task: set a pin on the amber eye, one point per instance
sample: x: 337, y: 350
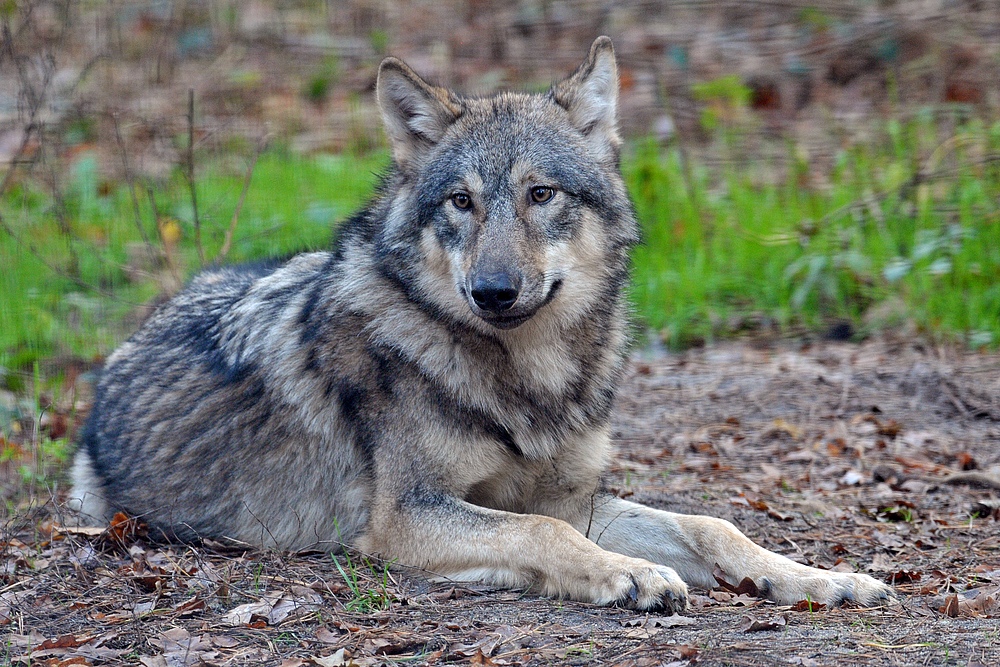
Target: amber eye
x: 462, y: 201
x: 541, y: 194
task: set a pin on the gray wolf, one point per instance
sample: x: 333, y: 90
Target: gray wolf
x: 436, y: 390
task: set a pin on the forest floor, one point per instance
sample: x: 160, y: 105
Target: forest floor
x: 881, y: 457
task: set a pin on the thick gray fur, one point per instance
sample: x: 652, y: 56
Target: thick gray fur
x: 436, y: 389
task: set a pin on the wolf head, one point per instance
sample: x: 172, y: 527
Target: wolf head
x: 508, y: 206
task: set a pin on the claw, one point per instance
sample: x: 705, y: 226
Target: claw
x: 671, y: 604
x: 633, y: 593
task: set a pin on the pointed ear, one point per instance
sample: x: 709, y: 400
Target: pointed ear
x: 416, y: 114
x: 590, y: 96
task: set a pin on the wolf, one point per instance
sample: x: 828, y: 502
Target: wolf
x: 436, y: 390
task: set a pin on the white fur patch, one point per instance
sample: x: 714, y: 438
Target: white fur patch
x: 87, y: 496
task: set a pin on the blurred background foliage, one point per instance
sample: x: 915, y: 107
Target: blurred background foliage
x: 816, y: 169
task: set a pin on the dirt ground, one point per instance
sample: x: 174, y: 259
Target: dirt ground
x: 880, y: 457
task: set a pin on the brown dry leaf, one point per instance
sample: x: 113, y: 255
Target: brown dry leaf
x: 83, y: 531
x: 807, y: 605
x: 123, y: 530
x: 245, y: 613
x: 180, y: 649
x: 78, y: 660
x: 224, y: 641
x: 745, y: 587
x: 275, y: 608
x: 481, y: 660
x: 775, y: 514
x: 299, y: 601
x: 984, y: 602
x: 881, y: 562
x: 888, y: 539
x: 950, y: 607
x: 189, y: 606
x: 293, y: 662
x: 751, y: 624
x: 327, y: 636
x: 64, y: 641
x: 338, y: 659
x: 687, y: 652
x: 902, y: 577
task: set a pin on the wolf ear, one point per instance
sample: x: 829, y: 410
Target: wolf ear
x: 590, y: 96
x: 416, y: 114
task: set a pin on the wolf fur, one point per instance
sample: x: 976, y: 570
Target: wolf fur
x: 437, y: 389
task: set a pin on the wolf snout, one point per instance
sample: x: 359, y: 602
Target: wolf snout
x: 495, y: 292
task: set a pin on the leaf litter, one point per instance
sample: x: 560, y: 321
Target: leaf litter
x: 881, y: 458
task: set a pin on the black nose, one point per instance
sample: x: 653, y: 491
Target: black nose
x: 495, y: 292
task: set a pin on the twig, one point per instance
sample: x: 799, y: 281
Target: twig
x: 191, y: 181
x: 228, y: 241
x: 130, y: 181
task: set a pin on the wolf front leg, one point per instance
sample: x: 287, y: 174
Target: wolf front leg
x: 456, y: 540
x: 694, y: 545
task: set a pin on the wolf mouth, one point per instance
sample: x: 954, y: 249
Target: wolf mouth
x: 508, y: 321
x: 513, y: 320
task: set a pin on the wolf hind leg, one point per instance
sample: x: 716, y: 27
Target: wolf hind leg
x: 695, y: 545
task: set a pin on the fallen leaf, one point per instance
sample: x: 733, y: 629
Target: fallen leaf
x: 745, y: 587
x: 299, y: 601
x: 339, y: 659
x: 243, y: 614
x: 721, y: 596
x: 327, y: 636
x: 64, y: 641
x: 751, y: 624
x: 123, y: 530
x: 902, y: 577
x: 481, y: 660
x: 180, y: 649
x: 224, y: 641
x: 950, y: 607
x: 190, y: 606
x: 980, y: 601
x: 807, y: 605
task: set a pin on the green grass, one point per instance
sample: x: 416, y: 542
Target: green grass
x: 67, y: 289
x: 726, y: 249
x: 872, y: 246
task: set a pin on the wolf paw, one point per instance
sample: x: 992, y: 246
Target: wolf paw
x: 829, y: 588
x: 650, y: 587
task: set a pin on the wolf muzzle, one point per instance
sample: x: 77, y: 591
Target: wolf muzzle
x: 496, y: 292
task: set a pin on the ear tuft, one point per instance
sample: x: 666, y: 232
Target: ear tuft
x: 416, y: 114
x: 590, y: 96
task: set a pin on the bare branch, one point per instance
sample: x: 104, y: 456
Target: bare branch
x: 130, y: 181
x: 227, y: 243
x: 191, y: 180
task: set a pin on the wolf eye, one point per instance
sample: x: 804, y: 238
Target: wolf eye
x: 541, y: 194
x: 462, y: 201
